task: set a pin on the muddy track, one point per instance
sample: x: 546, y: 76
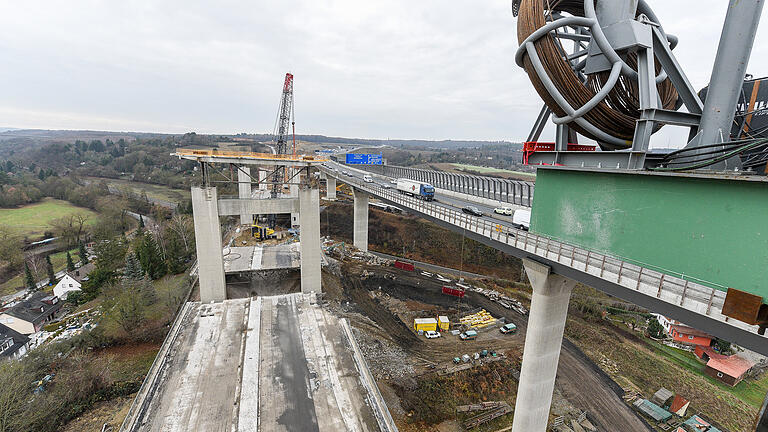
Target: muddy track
x: 579, y: 379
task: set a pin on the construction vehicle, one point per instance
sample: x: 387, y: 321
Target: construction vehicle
x: 262, y: 233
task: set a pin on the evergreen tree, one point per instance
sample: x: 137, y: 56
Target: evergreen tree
x: 141, y: 221
x: 83, y: 254
x: 133, y: 269
x: 49, y: 269
x: 150, y: 258
x: 30, y: 280
x: 70, y: 263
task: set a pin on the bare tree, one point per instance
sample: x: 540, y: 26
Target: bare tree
x: 182, y: 226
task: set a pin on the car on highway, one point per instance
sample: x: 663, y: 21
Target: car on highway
x: 367, y: 179
x: 345, y: 173
x: 507, y: 211
x: 432, y: 334
x: 472, y: 210
x: 393, y: 181
x: 386, y: 186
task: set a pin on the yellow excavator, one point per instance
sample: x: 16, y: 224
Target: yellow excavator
x: 261, y: 233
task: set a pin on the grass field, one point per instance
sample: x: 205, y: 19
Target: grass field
x: 488, y: 170
x: 59, y: 261
x: 34, y: 219
x: 158, y: 192
x: 649, y: 366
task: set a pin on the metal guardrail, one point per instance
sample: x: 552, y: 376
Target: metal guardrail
x: 703, y: 297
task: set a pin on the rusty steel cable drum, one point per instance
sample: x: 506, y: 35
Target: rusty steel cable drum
x: 617, y: 113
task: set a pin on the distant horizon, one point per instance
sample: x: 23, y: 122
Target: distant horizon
x: 4, y: 129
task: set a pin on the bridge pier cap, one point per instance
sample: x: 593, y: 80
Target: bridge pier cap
x: 543, y: 339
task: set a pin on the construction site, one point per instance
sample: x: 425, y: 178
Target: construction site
x: 343, y: 293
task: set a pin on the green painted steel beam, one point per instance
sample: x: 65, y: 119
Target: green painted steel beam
x: 709, y: 229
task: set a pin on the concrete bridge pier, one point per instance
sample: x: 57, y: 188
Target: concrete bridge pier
x: 360, y: 225
x: 210, y: 262
x: 549, y: 308
x: 244, y: 191
x: 330, y: 186
x: 311, y: 254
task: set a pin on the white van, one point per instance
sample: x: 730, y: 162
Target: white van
x: 522, y: 219
x: 367, y: 178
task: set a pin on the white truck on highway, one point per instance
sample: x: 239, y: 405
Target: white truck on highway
x: 522, y: 219
x: 417, y: 189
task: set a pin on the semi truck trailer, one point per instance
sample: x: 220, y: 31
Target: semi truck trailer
x: 417, y: 189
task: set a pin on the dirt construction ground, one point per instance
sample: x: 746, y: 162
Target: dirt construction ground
x: 381, y: 300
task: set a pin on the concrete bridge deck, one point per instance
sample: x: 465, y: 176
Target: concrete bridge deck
x: 253, y: 258
x: 277, y: 363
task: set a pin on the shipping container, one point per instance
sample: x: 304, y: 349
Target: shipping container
x: 443, y: 322
x: 404, y: 266
x: 425, y: 324
x: 458, y: 292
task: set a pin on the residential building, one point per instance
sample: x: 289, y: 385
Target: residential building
x: 689, y: 335
x: 30, y: 315
x: 72, y: 281
x: 662, y: 396
x: 13, y: 344
x: 679, y: 405
x: 652, y: 410
x: 726, y: 369
x: 698, y: 424
x: 665, y: 322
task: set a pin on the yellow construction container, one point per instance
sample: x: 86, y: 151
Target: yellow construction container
x: 425, y: 324
x: 443, y: 322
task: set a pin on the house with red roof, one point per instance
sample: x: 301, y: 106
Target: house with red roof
x: 727, y: 369
x: 679, y: 405
x: 689, y: 335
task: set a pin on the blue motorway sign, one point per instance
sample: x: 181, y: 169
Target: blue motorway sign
x: 364, y: 159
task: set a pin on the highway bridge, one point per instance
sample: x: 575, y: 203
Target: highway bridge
x: 664, y: 292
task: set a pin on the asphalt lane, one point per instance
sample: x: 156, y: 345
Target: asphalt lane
x: 445, y: 201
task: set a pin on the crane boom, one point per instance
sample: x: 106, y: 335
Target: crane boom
x: 284, y: 116
x: 286, y: 106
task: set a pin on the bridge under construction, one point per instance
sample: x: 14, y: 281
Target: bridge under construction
x: 677, y: 234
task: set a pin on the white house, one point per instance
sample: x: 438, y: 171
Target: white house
x: 72, y: 281
x: 66, y: 285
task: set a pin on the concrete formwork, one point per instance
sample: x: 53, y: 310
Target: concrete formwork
x: 244, y: 191
x: 311, y: 254
x: 262, y: 179
x: 549, y: 308
x: 360, y: 228
x: 208, y: 243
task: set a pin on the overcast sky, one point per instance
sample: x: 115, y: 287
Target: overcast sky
x: 431, y: 69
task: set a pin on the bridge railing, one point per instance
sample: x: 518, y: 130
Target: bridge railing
x: 517, y: 192
x: 701, y: 296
